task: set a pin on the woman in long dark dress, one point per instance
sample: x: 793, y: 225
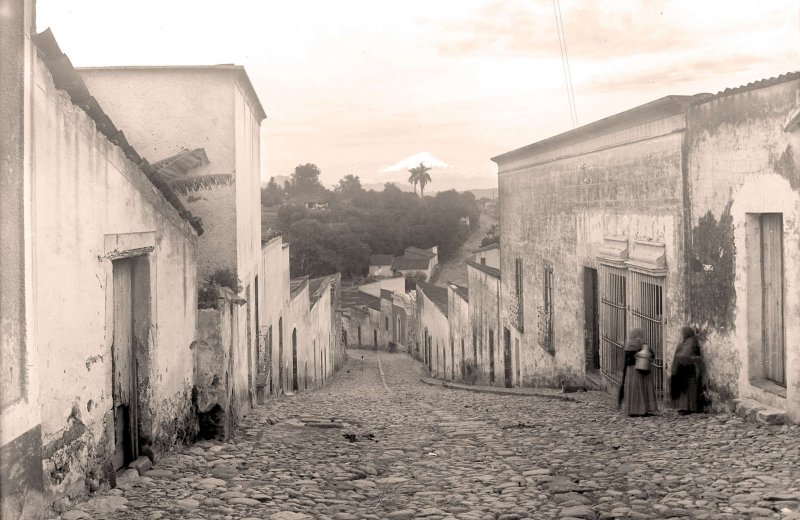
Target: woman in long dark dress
x: 686, y: 380
x: 637, y: 394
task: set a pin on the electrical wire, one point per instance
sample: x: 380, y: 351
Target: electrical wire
x: 562, y: 42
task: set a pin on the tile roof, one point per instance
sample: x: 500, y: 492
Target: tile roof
x: 381, y: 259
x: 403, y: 263
x: 491, y: 271
x: 297, y: 285
x: 316, y: 286
x: 352, y: 297
x: 66, y: 78
x: 416, y: 252
x: 438, y: 295
x: 753, y: 85
x: 463, y: 292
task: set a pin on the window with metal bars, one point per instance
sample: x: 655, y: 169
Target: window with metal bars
x: 646, y: 296
x: 545, y: 336
x: 613, y: 320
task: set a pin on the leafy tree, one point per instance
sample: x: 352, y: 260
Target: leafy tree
x: 305, y: 181
x: 349, y: 186
x: 420, y: 175
x: 272, y: 194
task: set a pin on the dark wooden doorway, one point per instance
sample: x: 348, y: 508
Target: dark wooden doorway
x: 591, y: 331
x: 295, y: 382
x: 491, y: 356
x: 131, y: 318
x: 508, y: 372
x: 772, y: 325
x: 281, y: 385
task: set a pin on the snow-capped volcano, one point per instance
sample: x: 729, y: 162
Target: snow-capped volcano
x: 410, y: 162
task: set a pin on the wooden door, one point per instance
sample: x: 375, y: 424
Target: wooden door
x: 772, y: 297
x: 491, y: 356
x: 124, y: 389
x: 591, y: 331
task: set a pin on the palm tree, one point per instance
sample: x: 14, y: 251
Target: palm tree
x: 419, y: 174
x: 424, y: 178
x: 413, y: 178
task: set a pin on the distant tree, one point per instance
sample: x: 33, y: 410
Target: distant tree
x: 305, y: 181
x: 272, y: 194
x: 420, y: 175
x: 349, y: 186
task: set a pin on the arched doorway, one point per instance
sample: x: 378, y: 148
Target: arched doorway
x: 295, y: 384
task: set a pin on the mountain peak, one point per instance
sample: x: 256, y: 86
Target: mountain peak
x: 414, y: 160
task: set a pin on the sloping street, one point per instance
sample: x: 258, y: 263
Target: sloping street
x: 378, y: 443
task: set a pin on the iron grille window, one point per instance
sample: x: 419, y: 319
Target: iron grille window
x: 646, y: 296
x: 613, y: 320
x: 546, y: 312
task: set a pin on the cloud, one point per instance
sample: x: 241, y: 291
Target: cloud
x: 599, y: 30
x: 717, y: 71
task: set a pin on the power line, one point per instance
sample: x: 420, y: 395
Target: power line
x: 562, y: 42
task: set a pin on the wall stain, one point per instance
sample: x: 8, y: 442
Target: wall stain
x: 712, y: 295
x: 786, y: 167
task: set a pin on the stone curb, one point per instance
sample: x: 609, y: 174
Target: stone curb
x: 494, y: 390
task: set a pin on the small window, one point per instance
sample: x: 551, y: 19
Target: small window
x: 483, y: 260
x: 387, y: 323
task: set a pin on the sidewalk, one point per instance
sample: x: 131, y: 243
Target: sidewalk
x: 547, y: 393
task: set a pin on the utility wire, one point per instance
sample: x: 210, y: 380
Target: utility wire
x: 562, y: 42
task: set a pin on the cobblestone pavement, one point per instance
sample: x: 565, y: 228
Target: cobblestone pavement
x: 374, y: 447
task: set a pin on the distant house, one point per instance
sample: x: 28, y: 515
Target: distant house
x: 488, y: 255
x: 464, y: 221
x: 380, y: 266
x: 416, y: 260
x: 315, y: 204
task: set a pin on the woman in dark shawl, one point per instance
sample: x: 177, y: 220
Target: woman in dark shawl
x: 686, y: 381
x: 637, y: 395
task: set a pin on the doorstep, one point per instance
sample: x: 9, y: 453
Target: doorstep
x: 754, y: 411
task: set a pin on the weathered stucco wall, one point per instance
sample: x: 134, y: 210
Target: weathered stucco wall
x: 20, y: 428
x: 274, y: 297
x: 91, y: 206
x: 433, y: 325
x: 741, y: 163
x: 490, y: 257
x: 167, y: 110
x: 397, y: 284
x: 557, y: 207
x: 484, y: 304
x: 248, y: 180
x: 460, y: 338
x: 299, y: 321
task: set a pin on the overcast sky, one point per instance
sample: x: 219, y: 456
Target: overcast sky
x: 357, y: 85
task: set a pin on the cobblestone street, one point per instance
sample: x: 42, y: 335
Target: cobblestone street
x: 379, y: 443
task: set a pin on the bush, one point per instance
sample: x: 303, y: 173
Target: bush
x: 225, y: 278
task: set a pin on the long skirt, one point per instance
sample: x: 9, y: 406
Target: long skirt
x: 690, y: 398
x: 640, y: 393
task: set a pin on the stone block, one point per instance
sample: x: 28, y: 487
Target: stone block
x: 141, y: 465
x: 771, y: 416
